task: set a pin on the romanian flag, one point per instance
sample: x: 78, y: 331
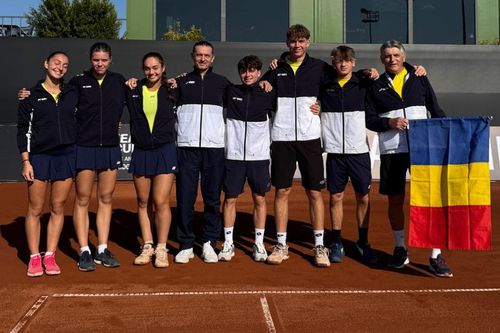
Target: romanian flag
x: 450, y: 204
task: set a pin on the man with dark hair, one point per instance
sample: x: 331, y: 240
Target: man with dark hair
x: 247, y: 153
x: 200, y: 140
x: 395, y: 98
x: 296, y: 135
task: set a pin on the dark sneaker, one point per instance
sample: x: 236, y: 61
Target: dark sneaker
x: 106, y: 259
x: 399, y: 258
x: 85, y: 262
x: 337, y: 252
x: 366, y: 253
x: 439, y: 267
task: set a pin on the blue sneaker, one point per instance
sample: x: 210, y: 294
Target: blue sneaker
x: 106, y: 259
x: 366, y: 253
x: 85, y: 262
x: 399, y: 258
x: 336, y: 252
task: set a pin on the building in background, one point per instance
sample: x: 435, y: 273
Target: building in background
x: 330, y: 21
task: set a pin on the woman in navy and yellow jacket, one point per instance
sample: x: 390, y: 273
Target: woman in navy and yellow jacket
x: 154, y: 160
x: 46, y: 140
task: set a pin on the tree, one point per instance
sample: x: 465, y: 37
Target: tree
x: 79, y: 19
x: 194, y: 33
x: 51, y: 18
x: 94, y: 19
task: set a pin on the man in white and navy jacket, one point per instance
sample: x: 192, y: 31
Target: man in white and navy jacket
x: 200, y: 141
x: 395, y: 98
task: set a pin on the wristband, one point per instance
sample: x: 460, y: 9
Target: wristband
x: 26, y: 160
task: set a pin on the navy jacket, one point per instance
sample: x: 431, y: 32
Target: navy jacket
x: 100, y: 108
x: 418, y: 102
x: 247, y: 123
x: 343, y: 115
x: 164, y: 122
x: 200, y: 110
x: 43, y: 124
x: 293, y: 120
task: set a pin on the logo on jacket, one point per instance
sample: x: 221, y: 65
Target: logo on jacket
x: 41, y: 99
x: 190, y: 82
x: 86, y: 87
x: 282, y: 74
x: 237, y: 99
x: 135, y: 96
x: 383, y: 89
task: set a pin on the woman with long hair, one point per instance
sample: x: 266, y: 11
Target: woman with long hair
x: 46, y: 140
x: 154, y: 160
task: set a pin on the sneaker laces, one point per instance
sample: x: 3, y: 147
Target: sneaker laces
x: 279, y: 248
x: 260, y: 248
x: 320, y: 250
x: 161, y: 253
x: 35, y: 261
x: 226, y: 247
x: 49, y: 260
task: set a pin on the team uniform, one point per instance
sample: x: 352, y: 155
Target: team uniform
x: 417, y: 101
x: 247, y: 139
x: 344, y: 135
x: 411, y: 97
x: 200, y: 142
x: 47, y: 130
x: 152, y: 127
x: 100, y: 108
x: 296, y: 131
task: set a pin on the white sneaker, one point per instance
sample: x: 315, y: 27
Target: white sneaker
x: 209, y: 256
x: 227, y: 252
x: 183, y: 256
x: 259, y: 252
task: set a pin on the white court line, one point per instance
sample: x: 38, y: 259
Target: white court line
x: 29, y: 314
x: 267, y: 315
x: 283, y: 292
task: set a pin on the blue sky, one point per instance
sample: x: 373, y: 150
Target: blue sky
x: 21, y: 7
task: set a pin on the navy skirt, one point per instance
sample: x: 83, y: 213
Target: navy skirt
x: 56, y: 164
x: 154, y: 162
x: 98, y: 158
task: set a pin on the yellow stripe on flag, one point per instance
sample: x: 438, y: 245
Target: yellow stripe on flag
x: 450, y: 185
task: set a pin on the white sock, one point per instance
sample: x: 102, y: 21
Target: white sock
x: 84, y: 248
x: 228, y: 234
x: 399, y: 237
x: 161, y: 246
x: 34, y: 255
x: 281, y: 236
x: 101, y: 248
x: 318, y: 237
x: 49, y: 253
x: 259, y: 235
x: 435, y: 253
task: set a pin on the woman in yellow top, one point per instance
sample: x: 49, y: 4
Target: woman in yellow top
x: 154, y: 160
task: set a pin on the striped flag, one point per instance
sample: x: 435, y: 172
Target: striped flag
x: 450, y: 204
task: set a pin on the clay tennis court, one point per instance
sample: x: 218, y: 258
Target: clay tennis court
x: 242, y: 295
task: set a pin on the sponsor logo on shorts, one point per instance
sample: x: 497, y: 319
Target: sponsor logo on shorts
x: 322, y: 182
x: 174, y: 168
x: 117, y: 162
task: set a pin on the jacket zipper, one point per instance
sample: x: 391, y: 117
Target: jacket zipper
x: 246, y: 126
x: 201, y: 110
x: 295, y: 97
x: 343, y: 119
x: 101, y: 110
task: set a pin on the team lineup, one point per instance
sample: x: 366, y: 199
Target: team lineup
x: 199, y: 128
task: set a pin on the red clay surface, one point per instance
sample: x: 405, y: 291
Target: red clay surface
x: 235, y: 296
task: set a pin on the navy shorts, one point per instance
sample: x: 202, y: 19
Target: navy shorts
x: 98, y: 158
x: 56, y: 164
x: 342, y: 167
x: 393, y: 169
x: 308, y: 154
x: 154, y: 162
x: 257, y: 173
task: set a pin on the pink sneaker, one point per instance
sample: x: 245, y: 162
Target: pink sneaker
x: 35, y: 266
x: 51, y: 267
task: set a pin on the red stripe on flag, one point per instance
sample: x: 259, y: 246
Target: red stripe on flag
x: 453, y: 228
